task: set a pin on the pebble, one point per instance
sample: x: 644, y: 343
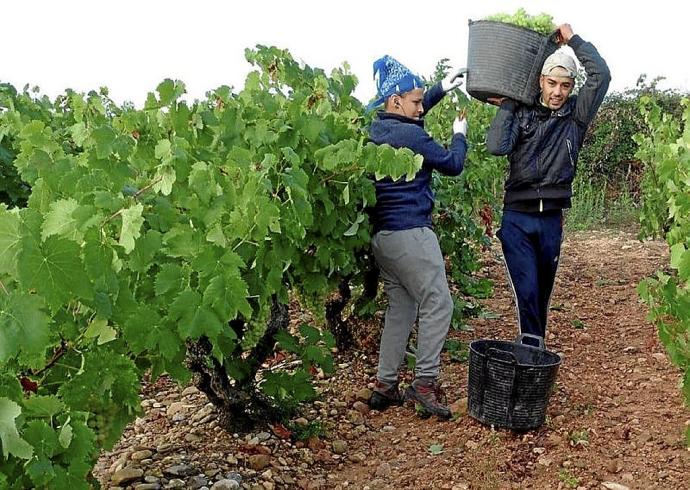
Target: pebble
x: 258, y: 462
x: 175, y: 483
x: 234, y: 476
x: 544, y: 461
x: 355, y: 417
x: 147, y: 486
x: 203, y: 413
x: 165, y: 448
x: 613, y: 466
x: 126, y: 475
x: 190, y: 390
x: 361, y: 407
x: 614, y: 486
x: 339, y: 447
x: 360, y: 430
x: 175, y: 408
x: 196, y: 482
x: 383, y: 470
x: 192, y: 438
x: 139, y: 455
x: 459, y: 407
x: 358, y: 458
x: 263, y: 436
x: 363, y: 394
x: 179, y: 470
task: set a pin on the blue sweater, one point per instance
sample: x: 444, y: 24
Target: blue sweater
x: 402, y: 205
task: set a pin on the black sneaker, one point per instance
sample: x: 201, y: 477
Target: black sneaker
x: 385, y: 395
x: 429, y: 398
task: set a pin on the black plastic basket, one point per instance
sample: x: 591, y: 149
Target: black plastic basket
x: 505, y: 60
x: 510, y: 382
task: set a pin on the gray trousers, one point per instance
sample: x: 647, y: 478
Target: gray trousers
x: 414, y: 278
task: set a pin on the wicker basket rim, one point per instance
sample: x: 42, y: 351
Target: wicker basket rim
x: 498, y: 22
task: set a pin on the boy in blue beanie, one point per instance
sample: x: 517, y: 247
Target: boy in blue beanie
x: 404, y: 245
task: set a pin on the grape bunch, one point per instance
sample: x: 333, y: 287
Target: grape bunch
x: 542, y: 23
x: 101, y: 422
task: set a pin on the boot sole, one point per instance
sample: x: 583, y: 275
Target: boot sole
x: 422, y: 411
x: 381, y: 402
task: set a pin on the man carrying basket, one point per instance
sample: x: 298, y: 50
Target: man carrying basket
x: 542, y: 141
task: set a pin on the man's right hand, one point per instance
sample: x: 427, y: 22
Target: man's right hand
x: 496, y: 100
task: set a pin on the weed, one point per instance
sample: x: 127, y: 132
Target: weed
x: 304, y: 432
x: 568, y: 478
x: 579, y: 437
x: 578, y: 324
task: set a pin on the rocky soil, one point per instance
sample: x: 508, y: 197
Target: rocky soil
x: 615, y: 420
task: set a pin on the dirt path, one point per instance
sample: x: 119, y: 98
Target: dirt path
x: 615, y: 417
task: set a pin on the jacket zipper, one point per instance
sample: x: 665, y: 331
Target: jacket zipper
x: 570, y: 151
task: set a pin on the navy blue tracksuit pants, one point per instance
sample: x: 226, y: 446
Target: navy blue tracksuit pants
x: 531, y: 245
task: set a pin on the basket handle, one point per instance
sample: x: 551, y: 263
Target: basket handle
x: 554, y: 36
x: 500, y: 355
x: 540, y: 340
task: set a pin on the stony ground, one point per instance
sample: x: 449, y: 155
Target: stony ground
x: 615, y: 420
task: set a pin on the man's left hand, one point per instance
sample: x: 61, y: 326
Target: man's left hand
x: 454, y: 80
x: 565, y: 32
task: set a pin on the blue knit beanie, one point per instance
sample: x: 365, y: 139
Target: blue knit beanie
x: 392, y: 77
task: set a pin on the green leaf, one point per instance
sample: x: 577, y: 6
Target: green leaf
x: 163, y: 151
x: 227, y: 295
x: 100, y: 328
x: 171, y: 277
x: 104, y: 137
x: 165, y: 178
x: 352, y: 230
x: 12, y: 443
x: 65, y: 436
x: 10, y: 241
x: 169, y: 90
x: 131, y: 226
x: 55, y: 270
x: 436, y: 449
x: 183, y: 241
x: 139, y: 327
x: 59, y: 220
x: 216, y: 236
x: 42, y: 437
x: 41, y: 471
x: 141, y: 258
x: 24, y: 328
x: 677, y: 252
x: 79, y: 133
x: 39, y: 406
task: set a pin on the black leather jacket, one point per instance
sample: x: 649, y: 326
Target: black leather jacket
x: 543, y: 145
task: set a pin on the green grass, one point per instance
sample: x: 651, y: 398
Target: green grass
x: 597, y: 205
